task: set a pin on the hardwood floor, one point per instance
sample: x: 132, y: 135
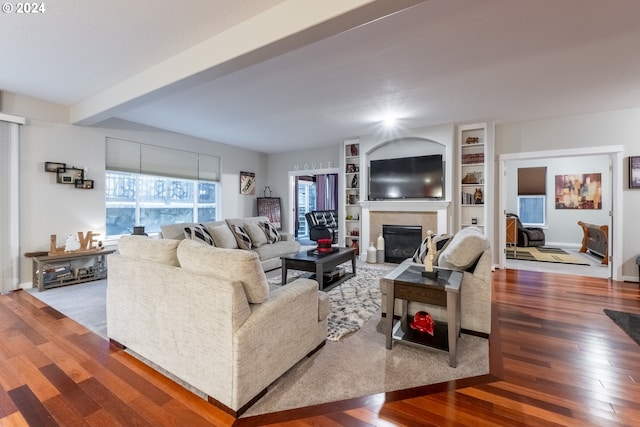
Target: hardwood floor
x: 556, y: 360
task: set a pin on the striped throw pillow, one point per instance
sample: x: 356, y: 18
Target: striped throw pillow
x: 198, y: 232
x: 243, y: 239
x: 271, y: 232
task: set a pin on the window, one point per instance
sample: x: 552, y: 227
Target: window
x: 150, y: 200
x: 148, y: 186
x: 532, y: 209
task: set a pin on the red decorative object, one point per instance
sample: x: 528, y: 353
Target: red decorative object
x: 423, y: 322
x: 356, y: 246
x: 324, y: 245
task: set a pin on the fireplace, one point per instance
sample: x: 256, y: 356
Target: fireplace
x: 400, y: 241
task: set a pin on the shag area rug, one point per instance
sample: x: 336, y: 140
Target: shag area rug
x: 545, y: 254
x: 628, y: 322
x: 354, y: 301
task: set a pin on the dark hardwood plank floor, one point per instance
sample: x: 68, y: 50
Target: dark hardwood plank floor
x: 556, y: 360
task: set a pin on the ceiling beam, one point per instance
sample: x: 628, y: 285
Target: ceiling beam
x: 290, y: 25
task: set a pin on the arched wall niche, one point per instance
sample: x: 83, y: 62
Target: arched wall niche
x: 406, y: 147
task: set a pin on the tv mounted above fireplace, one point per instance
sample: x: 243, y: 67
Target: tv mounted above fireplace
x: 419, y: 177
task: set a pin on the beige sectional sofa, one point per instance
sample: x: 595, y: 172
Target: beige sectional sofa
x: 207, y: 316
x: 467, y: 250
x: 224, y: 237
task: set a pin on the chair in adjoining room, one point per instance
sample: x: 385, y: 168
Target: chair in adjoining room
x: 323, y: 225
x: 528, y: 236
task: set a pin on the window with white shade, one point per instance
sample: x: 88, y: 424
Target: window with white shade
x: 150, y: 186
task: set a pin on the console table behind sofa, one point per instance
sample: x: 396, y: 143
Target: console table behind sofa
x: 596, y: 239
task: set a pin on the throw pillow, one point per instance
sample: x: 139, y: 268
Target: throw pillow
x: 223, y: 236
x: 198, y: 233
x: 465, y: 248
x: 439, y: 243
x: 256, y: 234
x: 243, y: 239
x: 271, y: 232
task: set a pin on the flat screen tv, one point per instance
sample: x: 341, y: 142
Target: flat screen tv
x: 407, y: 178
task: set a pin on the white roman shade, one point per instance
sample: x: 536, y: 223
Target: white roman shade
x: 134, y: 157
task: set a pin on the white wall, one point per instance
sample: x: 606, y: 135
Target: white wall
x: 312, y: 161
x: 48, y: 208
x: 577, y: 132
x: 563, y: 228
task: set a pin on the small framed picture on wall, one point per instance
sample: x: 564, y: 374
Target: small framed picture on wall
x: 634, y: 171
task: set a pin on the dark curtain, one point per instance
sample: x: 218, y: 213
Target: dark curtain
x: 327, y: 192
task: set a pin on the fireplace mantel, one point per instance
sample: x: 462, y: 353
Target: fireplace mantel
x: 439, y: 207
x: 404, y: 205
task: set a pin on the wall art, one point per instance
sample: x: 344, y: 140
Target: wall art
x: 579, y: 191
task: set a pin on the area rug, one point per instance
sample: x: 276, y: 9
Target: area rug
x: 545, y: 254
x: 354, y: 301
x: 628, y: 322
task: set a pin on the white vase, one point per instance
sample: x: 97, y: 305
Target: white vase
x: 380, y: 247
x: 371, y: 254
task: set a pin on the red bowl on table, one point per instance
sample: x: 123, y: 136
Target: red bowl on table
x: 324, y: 245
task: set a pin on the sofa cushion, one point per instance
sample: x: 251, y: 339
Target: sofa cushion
x: 256, y: 234
x: 270, y: 231
x: 227, y: 264
x: 162, y: 251
x: 222, y: 236
x: 464, y: 249
x: 198, y: 233
x: 242, y: 238
x: 439, y: 243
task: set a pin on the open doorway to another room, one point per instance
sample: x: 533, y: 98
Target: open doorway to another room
x: 568, y: 175
x: 313, y: 192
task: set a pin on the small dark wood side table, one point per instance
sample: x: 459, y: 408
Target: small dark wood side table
x: 408, y: 284
x: 320, y: 264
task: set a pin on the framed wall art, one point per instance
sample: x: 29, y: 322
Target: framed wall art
x: 579, y: 191
x: 247, y: 183
x: 270, y: 207
x: 634, y: 171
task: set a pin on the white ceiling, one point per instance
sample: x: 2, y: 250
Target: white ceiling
x: 276, y: 75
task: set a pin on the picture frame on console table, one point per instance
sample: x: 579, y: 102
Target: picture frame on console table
x: 270, y: 207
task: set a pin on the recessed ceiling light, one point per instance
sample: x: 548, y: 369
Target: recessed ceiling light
x: 390, y: 121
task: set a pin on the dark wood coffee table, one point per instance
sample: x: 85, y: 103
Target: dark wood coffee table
x: 320, y: 264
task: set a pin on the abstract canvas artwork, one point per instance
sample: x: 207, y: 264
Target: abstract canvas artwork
x: 579, y: 191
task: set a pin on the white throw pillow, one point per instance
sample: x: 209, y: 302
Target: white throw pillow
x: 222, y: 236
x: 464, y: 249
x: 256, y: 234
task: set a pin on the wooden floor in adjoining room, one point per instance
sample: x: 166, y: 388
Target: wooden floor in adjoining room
x: 556, y: 360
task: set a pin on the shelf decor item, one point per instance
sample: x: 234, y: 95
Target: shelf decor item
x: 371, y: 254
x: 380, y: 249
x: 69, y: 175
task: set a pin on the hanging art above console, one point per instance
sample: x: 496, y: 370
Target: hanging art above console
x: 69, y: 175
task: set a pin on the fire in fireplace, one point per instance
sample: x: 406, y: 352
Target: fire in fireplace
x: 400, y: 241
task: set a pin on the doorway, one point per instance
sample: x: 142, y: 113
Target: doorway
x: 562, y: 228
x: 311, y: 190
